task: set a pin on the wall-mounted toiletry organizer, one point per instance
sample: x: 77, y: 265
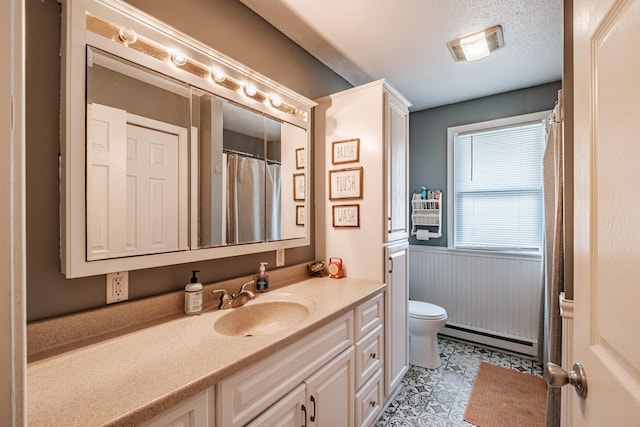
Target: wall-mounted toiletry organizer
x: 426, y: 215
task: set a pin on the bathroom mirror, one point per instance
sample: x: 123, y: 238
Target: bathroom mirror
x: 136, y: 166
x: 166, y: 161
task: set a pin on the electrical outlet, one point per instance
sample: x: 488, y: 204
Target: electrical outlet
x: 117, y: 287
x: 279, y: 257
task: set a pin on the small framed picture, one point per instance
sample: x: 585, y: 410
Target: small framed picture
x: 301, y: 158
x: 346, y: 216
x: 346, y: 151
x: 298, y: 186
x: 345, y: 184
x: 300, y: 215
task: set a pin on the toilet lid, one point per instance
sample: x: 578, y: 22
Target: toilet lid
x: 425, y: 310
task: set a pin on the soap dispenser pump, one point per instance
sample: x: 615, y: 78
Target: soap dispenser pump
x: 193, y: 295
x: 262, y: 279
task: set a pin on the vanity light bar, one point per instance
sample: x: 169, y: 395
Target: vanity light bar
x: 128, y: 37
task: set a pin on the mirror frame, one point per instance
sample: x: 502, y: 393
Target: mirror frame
x: 295, y: 110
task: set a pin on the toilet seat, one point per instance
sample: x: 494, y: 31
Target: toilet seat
x: 426, y: 311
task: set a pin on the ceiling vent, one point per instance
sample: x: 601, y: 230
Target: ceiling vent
x: 477, y: 45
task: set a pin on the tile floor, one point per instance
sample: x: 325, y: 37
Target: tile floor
x: 438, y: 397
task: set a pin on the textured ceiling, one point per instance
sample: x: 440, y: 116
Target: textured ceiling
x: 404, y: 41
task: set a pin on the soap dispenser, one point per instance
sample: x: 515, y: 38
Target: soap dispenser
x: 193, y: 295
x: 262, y: 279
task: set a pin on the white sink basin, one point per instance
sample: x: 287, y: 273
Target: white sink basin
x: 264, y: 316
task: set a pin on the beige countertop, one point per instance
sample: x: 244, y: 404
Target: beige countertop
x: 132, y: 377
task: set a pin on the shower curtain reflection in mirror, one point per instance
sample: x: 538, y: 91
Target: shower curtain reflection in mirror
x: 250, y: 200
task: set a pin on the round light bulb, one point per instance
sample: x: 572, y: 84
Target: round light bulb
x: 250, y: 90
x: 128, y: 36
x: 219, y: 75
x: 276, y: 101
x: 178, y: 59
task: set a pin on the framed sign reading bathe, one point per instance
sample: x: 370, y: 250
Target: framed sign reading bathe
x: 345, y: 184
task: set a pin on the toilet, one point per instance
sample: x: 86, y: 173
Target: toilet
x: 425, y: 321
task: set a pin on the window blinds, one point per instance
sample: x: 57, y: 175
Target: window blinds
x: 498, y: 188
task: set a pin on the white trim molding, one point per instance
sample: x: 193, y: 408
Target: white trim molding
x: 12, y: 217
x: 566, y: 405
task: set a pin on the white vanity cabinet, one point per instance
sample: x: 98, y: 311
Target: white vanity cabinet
x: 374, y: 246
x: 197, y: 411
x: 322, y: 362
x: 369, y: 353
x: 327, y: 379
x: 324, y: 399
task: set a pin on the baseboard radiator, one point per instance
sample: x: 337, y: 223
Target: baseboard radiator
x: 490, y: 299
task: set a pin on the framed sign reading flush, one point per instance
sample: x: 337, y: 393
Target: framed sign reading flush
x: 345, y: 184
x: 346, y: 216
x: 298, y: 186
x: 346, y: 151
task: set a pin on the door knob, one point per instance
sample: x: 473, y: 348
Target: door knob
x: 557, y: 377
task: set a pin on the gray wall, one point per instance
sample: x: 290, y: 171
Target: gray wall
x: 225, y: 25
x: 428, y: 135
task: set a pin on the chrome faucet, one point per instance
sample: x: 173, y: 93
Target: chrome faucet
x: 243, y: 296
x: 225, y: 299
x: 235, y: 300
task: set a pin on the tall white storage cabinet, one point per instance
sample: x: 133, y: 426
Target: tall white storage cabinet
x: 374, y: 246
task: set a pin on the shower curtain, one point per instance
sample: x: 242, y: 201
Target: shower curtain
x: 253, y: 206
x: 274, y: 231
x: 553, y: 253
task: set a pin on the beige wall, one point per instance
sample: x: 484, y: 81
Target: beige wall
x: 225, y: 25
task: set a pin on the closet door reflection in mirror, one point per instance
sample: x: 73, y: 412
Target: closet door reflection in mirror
x: 294, y: 174
x: 136, y: 165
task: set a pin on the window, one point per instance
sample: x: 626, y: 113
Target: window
x: 495, y: 184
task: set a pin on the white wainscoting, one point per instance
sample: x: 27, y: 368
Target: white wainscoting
x: 490, y: 298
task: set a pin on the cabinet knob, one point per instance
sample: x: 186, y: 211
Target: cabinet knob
x: 372, y: 403
x: 372, y: 355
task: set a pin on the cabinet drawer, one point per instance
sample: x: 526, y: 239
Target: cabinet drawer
x: 369, y: 355
x: 369, y: 400
x: 246, y: 394
x: 369, y: 315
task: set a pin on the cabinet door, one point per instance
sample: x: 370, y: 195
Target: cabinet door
x: 330, y: 393
x: 194, y: 412
x: 397, y: 321
x: 287, y: 412
x: 369, y: 355
x: 396, y: 168
x: 369, y: 400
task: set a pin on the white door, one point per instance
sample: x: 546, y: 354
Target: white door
x: 397, y: 167
x: 397, y: 315
x: 607, y: 210
x: 136, y: 184
x: 106, y: 181
x: 152, y: 190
